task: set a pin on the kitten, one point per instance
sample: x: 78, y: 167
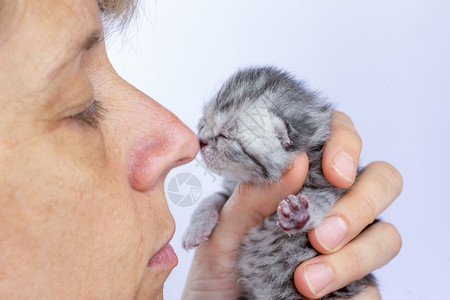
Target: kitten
x: 251, y: 131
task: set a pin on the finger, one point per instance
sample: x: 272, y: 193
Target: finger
x: 373, y: 248
x: 250, y: 204
x: 375, y: 189
x: 341, y: 152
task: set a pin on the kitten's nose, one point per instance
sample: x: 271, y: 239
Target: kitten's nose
x: 203, y: 143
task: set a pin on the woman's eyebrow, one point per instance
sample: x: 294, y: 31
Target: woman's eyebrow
x: 93, y: 39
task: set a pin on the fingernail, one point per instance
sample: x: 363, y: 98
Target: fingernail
x: 344, y: 166
x: 318, y: 277
x: 331, y: 232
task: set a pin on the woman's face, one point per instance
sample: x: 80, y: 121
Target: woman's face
x: 83, y: 157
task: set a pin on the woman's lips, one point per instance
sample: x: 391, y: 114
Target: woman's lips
x: 165, y: 258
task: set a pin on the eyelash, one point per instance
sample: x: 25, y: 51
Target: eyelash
x: 91, y: 115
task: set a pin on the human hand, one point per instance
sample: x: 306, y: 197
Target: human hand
x: 350, y: 252
x: 213, y: 273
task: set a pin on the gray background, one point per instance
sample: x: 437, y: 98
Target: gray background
x: 385, y: 63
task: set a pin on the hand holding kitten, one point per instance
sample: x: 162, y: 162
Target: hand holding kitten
x: 212, y: 274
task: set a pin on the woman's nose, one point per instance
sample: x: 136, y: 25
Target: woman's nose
x: 161, y: 142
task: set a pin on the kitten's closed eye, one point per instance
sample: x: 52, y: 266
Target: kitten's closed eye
x: 205, y: 141
x: 223, y: 135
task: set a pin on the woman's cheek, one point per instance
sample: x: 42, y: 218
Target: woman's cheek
x: 79, y: 141
x: 93, y: 223
x: 66, y: 215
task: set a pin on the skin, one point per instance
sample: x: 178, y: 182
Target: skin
x: 80, y: 204
x: 83, y: 207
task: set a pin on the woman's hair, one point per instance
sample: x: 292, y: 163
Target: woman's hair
x: 117, y: 13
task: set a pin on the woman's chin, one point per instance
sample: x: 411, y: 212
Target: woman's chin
x: 151, y: 287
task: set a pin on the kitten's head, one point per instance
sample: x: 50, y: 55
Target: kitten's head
x: 248, y: 144
x: 259, y: 120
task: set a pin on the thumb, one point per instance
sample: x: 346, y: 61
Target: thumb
x: 251, y: 203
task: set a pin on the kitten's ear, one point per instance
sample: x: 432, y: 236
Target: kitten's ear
x: 282, y: 133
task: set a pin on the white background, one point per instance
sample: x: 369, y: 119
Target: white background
x: 385, y: 63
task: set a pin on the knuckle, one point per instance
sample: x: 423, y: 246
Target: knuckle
x: 367, y: 207
x: 340, y: 117
x: 355, y: 256
x: 357, y: 140
x: 395, y: 178
x: 240, y: 191
x: 391, y: 176
x: 349, y: 135
x: 392, y: 238
x: 343, y: 124
x: 385, y: 243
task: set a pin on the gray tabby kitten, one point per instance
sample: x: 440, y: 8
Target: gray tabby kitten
x: 251, y: 131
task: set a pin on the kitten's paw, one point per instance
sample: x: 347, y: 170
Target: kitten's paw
x: 293, y: 213
x: 199, y: 231
x: 192, y: 239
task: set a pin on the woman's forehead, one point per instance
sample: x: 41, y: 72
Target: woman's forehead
x: 44, y: 36
x: 49, y: 15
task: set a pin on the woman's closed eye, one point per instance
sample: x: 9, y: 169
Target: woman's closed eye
x: 91, y: 115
